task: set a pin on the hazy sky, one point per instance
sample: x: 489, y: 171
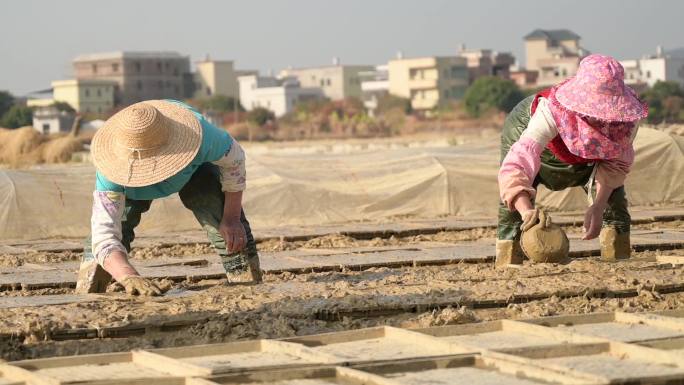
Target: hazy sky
x: 39, y: 38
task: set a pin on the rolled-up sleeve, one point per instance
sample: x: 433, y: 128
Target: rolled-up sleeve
x: 233, y: 170
x: 612, y: 173
x: 108, y: 207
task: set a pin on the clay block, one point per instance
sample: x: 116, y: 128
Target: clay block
x: 614, y: 246
x: 508, y: 253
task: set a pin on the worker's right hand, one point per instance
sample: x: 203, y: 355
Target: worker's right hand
x: 534, y: 216
x: 137, y: 285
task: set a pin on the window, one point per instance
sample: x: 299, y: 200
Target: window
x: 99, y: 93
x: 166, y: 65
x: 446, y: 94
x: 115, y: 67
x: 208, y: 90
x: 139, y: 85
x: 46, y: 128
x: 138, y: 66
x: 327, y: 81
x: 446, y: 73
x: 86, y: 92
x: 159, y: 66
x: 322, y: 82
x: 94, y: 68
x: 648, y: 74
x: 565, y: 72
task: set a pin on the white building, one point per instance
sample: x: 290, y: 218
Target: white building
x: 278, y: 95
x: 49, y: 120
x: 337, y: 81
x: 653, y: 68
x: 374, y: 85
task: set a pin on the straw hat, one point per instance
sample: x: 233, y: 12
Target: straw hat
x: 146, y: 143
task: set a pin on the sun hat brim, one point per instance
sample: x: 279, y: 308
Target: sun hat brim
x: 624, y: 107
x: 127, y: 169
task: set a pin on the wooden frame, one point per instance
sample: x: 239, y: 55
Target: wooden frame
x: 627, y: 327
x: 191, y: 356
x: 559, y: 358
x: 426, y: 345
x: 66, y: 370
x: 466, y: 335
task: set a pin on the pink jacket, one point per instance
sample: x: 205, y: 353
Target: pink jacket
x: 521, y: 164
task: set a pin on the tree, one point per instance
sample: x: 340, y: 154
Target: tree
x: 63, y: 106
x: 6, y: 101
x: 219, y: 103
x: 260, y: 116
x: 491, y: 92
x: 17, y: 116
x: 664, y: 101
x: 390, y: 102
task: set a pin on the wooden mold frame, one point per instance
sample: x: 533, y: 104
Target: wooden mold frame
x: 617, y: 326
x: 602, y: 362
x: 240, y: 357
x: 502, y: 336
x: 379, y: 344
x: 128, y: 368
x: 389, y: 373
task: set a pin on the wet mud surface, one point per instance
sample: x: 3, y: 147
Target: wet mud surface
x: 288, y: 305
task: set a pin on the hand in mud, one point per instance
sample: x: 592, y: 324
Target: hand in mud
x: 534, y: 216
x: 137, y: 285
x: 593, y: 219
x: 233, y: 233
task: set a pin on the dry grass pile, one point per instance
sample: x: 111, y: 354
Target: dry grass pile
x: 25, y: 146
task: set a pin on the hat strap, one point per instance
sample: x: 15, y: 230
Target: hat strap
x: 132, y: 160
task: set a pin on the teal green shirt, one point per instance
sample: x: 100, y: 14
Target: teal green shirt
x: 215, y: 144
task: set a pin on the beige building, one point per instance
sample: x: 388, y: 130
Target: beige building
x: 336, y: 81
x: 138, y: 75
x: 555, y: 54
x: 218, y: 77
x: 428, y: 81
x: 85, y: 96
x: 485, y: 62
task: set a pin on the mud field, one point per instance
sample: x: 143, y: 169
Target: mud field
x: 287, y: 304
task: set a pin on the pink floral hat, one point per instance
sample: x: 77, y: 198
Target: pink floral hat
x: 595, y: 111
x: 598, y: 90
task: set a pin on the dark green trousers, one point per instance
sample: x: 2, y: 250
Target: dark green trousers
x: 204, y: 197
x: 555, y: 175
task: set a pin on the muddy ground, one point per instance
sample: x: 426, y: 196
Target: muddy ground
x: 328, y: 241
x: 287, y: 304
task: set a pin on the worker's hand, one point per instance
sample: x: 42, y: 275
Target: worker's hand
x: 137, y: 285
x: 233, y: 233
x: 593, y: 219
x: 534, y: 216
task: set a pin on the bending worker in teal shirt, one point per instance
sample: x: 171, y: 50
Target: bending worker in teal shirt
x: 151, y: 150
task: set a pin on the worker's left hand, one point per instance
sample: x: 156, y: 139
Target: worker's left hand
x: 593, y: 219
x: 233, y: 233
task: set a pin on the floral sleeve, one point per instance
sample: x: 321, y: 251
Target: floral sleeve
x: 108, y: 207
x: 233, y: 171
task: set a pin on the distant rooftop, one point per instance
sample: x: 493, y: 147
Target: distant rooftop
x: 129, y: 55
x: 552, y: 34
